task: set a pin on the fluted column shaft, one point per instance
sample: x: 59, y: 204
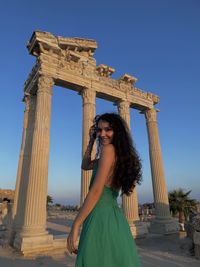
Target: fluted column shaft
x: 21, y: 155
x: 89, y: 111
x: 129, y: 203
x: 34, y: 219
x: 157, y: 170
x: 24, y: 163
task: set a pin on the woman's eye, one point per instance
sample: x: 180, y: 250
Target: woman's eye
x: 108, y: 129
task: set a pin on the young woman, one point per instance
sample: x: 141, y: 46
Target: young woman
x: 106, y: 239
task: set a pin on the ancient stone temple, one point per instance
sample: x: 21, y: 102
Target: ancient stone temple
x: 69, y: 62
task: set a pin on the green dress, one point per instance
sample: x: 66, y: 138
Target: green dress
x: 106, y: 239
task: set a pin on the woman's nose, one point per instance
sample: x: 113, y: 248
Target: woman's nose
x: 102, y: 133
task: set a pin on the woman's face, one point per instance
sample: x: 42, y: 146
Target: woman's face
x: 105, y: 132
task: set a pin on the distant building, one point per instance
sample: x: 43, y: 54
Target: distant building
x: 7, y: 194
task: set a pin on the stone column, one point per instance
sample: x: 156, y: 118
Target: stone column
x: 89, y: 111
x: 130, y: 203
x: 163, y: 222
x: 24, y: 165
x: 31, y: 234
x: 21, y: 155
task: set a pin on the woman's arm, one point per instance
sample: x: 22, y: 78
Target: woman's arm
x: 87, y: 163
x: 104, y: 168
x: 105, y: 164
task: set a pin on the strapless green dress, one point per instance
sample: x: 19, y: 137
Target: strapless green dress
x: 106, y: 239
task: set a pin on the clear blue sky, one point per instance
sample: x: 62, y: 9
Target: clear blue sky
x: 156, y: 41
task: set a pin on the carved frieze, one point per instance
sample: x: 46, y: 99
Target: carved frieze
x: 125, y: 87
x: 107, y: 90
x: 153, y: 97
x: 139, y: 92
x: 144, y: 95
x: 106, y: 81
x: 65, y: 63
x: 89, y: 71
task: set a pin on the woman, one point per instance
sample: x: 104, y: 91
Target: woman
x: 106, y: 239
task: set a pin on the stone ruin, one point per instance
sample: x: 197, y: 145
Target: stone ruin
x: 70, y: 63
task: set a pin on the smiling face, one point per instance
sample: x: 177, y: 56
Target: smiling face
x: 105, y: 132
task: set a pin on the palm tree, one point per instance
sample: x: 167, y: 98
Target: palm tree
x: 180, y: 203
x: 49, y: 200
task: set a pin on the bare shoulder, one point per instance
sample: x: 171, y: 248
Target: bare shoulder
x: 107, y: 159
x: 108, y: 150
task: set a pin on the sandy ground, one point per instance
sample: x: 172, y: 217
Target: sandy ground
x: 154, y: 250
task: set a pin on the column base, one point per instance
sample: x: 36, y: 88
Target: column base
x: 138, y: 229
x: 30, y: 245
x: 164, y: 226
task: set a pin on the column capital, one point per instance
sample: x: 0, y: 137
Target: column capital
x: 30, y: 102
x: 88, y: 95
x: 123, y: 109
x: 123, y: 105
x: 150, y: 115
x: 45, y: 84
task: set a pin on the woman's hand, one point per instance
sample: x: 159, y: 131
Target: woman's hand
x: 72, y: 239
x: 92, y: 132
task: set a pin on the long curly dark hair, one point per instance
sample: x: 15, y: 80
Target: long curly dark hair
x: 128, y: 168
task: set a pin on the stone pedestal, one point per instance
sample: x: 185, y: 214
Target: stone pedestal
x: 130, y: 203
x: 89, y: 111
x: 164, y: 226
x: 163, y: 223
x: 34, y: 245
x: 30, y: 225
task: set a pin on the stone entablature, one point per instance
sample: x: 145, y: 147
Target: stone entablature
x: 71, y: 60
x: 45, y: 40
